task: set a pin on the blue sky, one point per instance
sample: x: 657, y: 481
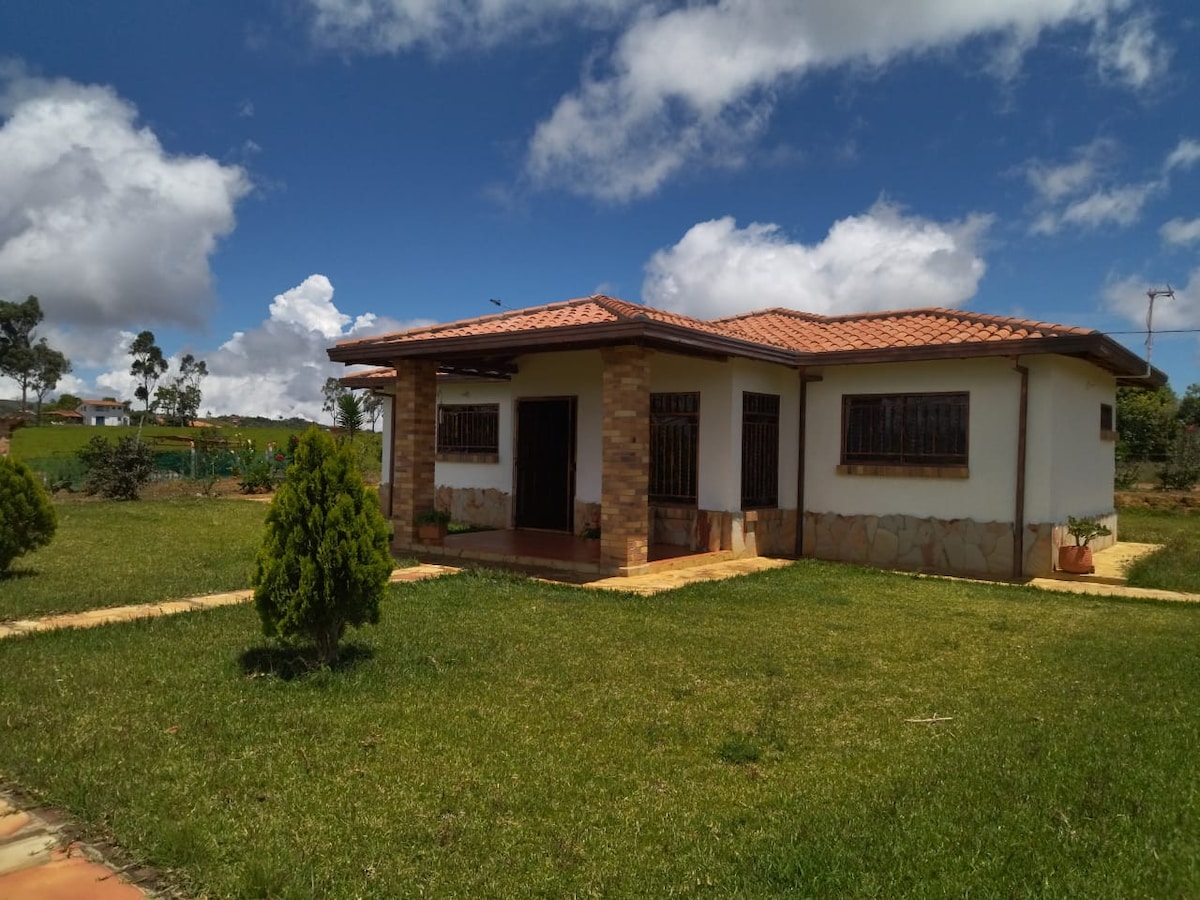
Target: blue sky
x: 254, y: 181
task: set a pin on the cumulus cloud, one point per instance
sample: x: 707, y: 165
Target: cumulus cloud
x: 1080, y: 193
x: 390, y: 26
x: 882, y: 259
x: 96, y: 217
x: 275, y: 369
x: 696, y: 84
x: 1181, y: 231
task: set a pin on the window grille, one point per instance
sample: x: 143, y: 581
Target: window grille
x: 468, y: 428
x: 674, y: 447
x: 905, y: 429
x: 760, y: 450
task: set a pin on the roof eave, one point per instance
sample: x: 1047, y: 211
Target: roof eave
x: 661, y: 335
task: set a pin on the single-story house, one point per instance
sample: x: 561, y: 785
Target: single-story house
x: 926, y: 439
x: 104, y: 412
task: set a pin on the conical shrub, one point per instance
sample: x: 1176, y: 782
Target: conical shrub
x: 324, y: 562
x: 27, y: 517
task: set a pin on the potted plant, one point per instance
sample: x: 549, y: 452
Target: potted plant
x: 1077, y: 558
x: 431, y: 526
x: 591, y: 535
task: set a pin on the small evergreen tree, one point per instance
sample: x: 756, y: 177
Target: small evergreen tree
x: 27, y: 518
x: 324, y: 562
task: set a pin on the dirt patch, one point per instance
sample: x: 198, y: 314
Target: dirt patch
x: 1180, y: 501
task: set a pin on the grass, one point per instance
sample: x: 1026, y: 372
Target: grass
x: 49, y: 441
x: 496, y: 736
x: 1177, y: 566
x: 111, y: 554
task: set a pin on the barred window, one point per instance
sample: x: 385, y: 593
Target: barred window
x: 905, y: 429
x: 674, y: 447
x: 468, y: 428
x: 760, y: 450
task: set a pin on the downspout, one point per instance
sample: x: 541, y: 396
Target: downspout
x: 803, y: 420
x: 1018, y: 565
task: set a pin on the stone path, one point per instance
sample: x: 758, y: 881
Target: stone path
x: 38, y: 861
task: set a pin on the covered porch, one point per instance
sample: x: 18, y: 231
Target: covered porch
x: 558, y: 552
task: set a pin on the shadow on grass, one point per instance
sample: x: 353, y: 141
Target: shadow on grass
x: 14, y: 574
x: 288, y: 662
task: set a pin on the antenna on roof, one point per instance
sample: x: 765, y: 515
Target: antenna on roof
x: 1153, y: 294
x: 499, y: 303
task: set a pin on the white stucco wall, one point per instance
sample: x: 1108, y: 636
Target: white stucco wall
x: 497, y: 475
x: 986, y: 496
x: 1075, y: 463
x: 718, y: 455
x: 1069, y: 468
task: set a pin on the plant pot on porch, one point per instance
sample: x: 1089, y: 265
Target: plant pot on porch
x: 1075, y: 560
x: 431, y: 527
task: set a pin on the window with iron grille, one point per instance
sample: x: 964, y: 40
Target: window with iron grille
x: 468, y: 428
x: 760, y: 450
x: 674, y: 447
x: 905, y: 429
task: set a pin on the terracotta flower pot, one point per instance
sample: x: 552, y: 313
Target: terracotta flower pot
x: 431, y: 533
x: 1076, y: 560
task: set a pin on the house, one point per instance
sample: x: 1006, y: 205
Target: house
x: 104, y: 412
x: 926, y: 439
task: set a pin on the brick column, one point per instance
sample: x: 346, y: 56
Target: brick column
x: 414, y: 413
x: 625, y: 459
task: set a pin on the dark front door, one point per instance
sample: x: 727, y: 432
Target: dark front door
x: 546, y: 463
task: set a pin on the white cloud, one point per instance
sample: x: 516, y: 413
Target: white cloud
x: 696, y: 85
x: 1185, y: 155
x: 390, y: 26
x: 96, y: 217
x: 275, y: 369
x: 1181, y: 231
x: 882, y: 259
x: 1054, y: 182
x: 310, y: 305
x: 1071, y: 194
x: 1127, y: 298
x: 1118, y: 206
x: 1130, y: 52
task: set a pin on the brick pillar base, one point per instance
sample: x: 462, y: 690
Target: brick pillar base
x: 415, y: 411
x: 625, y: 459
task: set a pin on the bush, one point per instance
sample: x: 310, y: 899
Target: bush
x: 1181, y: 472
x: 27, y: 519
x: 116, y: 471
x: 324, y: 561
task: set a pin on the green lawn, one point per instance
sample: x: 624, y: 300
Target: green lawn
x: 48, y: 441
x: 498, y: 737
x: 1177, y: 566
x: 111, y: 554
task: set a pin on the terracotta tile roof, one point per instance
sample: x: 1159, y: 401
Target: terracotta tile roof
x: 103, y: 403
x: 777, y: 335
x: 595, y: 310
x: 810, y: 333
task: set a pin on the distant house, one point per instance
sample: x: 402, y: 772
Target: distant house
x: 928, y: 439
x: 65, y: 416
x: 104, y: 412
